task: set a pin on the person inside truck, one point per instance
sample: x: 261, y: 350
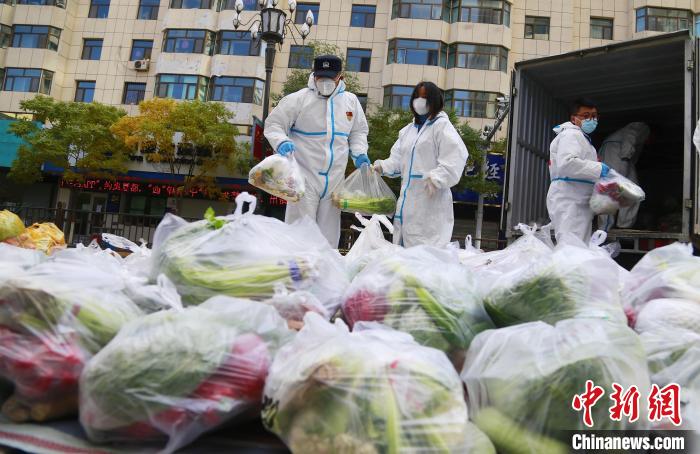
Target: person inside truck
x: 573, y: 170
x: 429, y: 156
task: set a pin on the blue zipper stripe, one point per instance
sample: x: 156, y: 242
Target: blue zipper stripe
x: 333, y: 134
x: 344, y: 134
x: 573, y: 180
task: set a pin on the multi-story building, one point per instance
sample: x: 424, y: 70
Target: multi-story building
x: 120, y: 52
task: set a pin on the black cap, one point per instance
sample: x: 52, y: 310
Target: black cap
x: 327, y: 66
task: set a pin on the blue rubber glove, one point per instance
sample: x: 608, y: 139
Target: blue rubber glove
x: 286, y: 148
x: 604, y: 171
x: 361, y: 160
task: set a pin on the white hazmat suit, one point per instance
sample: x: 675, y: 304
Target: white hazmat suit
x: 324, y: 130
x: 573, y: 169
x: 620, y: 151
x: 435, y: 152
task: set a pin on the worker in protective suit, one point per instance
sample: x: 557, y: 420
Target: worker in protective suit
x: 621, y: 151
x: 429, y: 156
x: 573, y: 170
x: 322, y: 125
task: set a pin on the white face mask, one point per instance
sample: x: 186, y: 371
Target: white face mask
x: 420, y: 105
x: 325, y: 86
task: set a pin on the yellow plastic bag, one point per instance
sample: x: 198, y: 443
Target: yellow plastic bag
x: 45, y: 237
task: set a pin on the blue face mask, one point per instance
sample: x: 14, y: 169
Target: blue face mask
x: 589, y: 125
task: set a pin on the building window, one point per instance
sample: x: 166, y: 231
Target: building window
x: 417, y: 52
x: 477, y: 56
x: 190, y: 4
x: 398, y: 96
x: 237, y: 43
x: 474, y: 104
x: 28, y: 80
x: 244, y: 130
x: 148, y: 9
x: 536, y: 27
x: 495, y: 12
x: 302, y: 9
x: 363, y: 101
x: 36, y: 37
x: 134, y: 93
x: 601, y: 28
x: 417, y: 9
x: 141, y: 49
x: 237, y: 89
x: 58, y: 3
x: 300, y: 57
x: 663, y: 19
x: 181, y: 87
x: 99, y: 9
x: 358, y: 60
x: 697, y: 25
x: 92, y: 49
x: 248, y: 5
x: 5, y: 36
x: 84, y: 90
x: 363, y: 16
x: 189, y: 41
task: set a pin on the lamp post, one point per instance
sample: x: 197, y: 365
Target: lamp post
x: 272, y: 26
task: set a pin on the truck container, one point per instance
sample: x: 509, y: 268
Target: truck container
x: 653, y: 80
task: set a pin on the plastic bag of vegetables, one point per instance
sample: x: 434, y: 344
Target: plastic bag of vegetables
x: 614, y: 191
x: 250, y: 256
x: 10, y: 225
x: 53, y: 317
x: 668, y: 272
x: 280, y: 176
x: 371, y: 245
x: 521, y: 381
x: 179, y: 373
x: 365, y: 192
x: 370, y: 391
x: 573, y: 281
x: 423, y: 291
x: 16, y: 259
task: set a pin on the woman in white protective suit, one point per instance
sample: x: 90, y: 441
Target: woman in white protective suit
x: 574, y: 169
x: 430, y: 157
x: 322, y: 125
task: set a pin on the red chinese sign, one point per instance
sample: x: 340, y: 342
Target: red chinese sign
x: 142, y: 188
x: 661, y: 403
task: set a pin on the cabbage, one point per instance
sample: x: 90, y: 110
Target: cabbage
x: 10, y: 225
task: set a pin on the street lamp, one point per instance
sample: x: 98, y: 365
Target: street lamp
x: 272, y: 26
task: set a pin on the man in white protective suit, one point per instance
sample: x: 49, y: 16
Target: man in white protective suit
x: 621, y: 150
x: 574, y: 169
x: 322, y: 125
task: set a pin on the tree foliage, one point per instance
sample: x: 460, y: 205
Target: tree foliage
x: 75, y: 137
x: 206, y: 139
x: 384, y: 127
x: 298, y: 79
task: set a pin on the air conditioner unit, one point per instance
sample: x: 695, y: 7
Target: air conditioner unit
x: 139, y: 65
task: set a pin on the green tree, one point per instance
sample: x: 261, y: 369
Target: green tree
x: 384, y: 127
x: 75, y: 136
x: 299, y: 78
x: 206, y: 139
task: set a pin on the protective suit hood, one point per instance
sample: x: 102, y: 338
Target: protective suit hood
x: 311, y: 84
x: 564, y: 126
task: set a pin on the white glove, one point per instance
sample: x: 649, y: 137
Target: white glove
x: 430, y: 187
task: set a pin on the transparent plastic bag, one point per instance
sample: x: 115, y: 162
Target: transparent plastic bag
x: 177, y: 374
x: 280, y: 176
x: 371, y: 245
x: 521, y: 380
x: 573, y: 281
x: 614, y: 191
x: 250, y: 256
x: 15, y: 259
x: 365, y: 192
x: 373, y: 390
x: 423, y: 291
x: 53, y: 317
x: 668, y: 272
x: 10, y: 225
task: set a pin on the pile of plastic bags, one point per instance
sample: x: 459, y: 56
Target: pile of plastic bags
x: 44, y: 237
x: 614, y: 191
x: 365, y: 192
x: 242, y: 316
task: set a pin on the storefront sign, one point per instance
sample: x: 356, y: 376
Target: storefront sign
x: 142, y: 188
x: 495, y: 172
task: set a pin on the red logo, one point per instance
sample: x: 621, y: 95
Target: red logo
x: 587, y: 400
x: 349, y: 115
x: 665, y: 403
